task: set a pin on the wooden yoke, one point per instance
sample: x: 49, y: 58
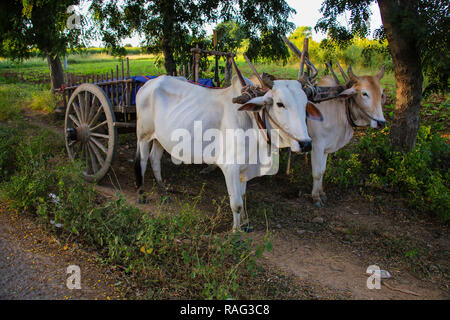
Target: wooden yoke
x: 197, y: 51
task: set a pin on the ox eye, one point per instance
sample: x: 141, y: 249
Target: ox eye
x: 281, y: 105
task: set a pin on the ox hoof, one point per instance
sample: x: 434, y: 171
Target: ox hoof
x: 319, y: 204
x: 142, y: 200
x: 166, y: 199
x: 323, y: 197
x: 247, y: 228
x: 208, y: 169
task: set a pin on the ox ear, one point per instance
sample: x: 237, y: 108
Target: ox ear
x: 348, y: 93
x: 312, y: 112
x: 256, y: 104
x: 252, y: 107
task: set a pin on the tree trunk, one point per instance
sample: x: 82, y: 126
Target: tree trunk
x: 169, y: 61
x: 56, y: 71
x: 408, y: 71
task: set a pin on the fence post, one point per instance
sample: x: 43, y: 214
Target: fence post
x: 196, y: 65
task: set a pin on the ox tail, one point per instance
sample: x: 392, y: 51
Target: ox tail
x: 137, y: 167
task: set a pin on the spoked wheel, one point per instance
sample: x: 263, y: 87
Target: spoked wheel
x: 90, y: 132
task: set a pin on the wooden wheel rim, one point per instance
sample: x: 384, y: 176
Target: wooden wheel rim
x: 90, y: 118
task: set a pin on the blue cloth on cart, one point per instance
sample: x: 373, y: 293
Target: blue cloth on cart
x: 143, y: 79
x: 139, y: 81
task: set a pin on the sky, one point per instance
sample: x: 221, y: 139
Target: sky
x: 308, y: 13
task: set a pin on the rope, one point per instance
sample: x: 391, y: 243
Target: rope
x: 281, y: 129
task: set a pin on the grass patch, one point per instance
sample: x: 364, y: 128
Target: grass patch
x: 15, y: 97
x: 43, y: 101
x: 180, y: 254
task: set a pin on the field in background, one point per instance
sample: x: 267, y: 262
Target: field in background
x: 97, y: 62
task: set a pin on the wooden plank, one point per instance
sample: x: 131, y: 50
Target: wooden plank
x: 122, y: 85
x: 196, y: 65
x: 117, y: 85
x: 125, y: 124
x: 216, y: 69
x: 302, y: 58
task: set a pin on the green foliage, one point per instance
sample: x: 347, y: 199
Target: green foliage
x: 230, y: 36
x: 422, y: 24
x: 363, y: 53
x: 422, y: 174
x: 14, y: 97
x: 43, y: 100
x: 34, y: 179
x: 173, y: 27
x: 180, y: 254
x: 9, y: 139
x: 11, y: 98
x: 38, y: 24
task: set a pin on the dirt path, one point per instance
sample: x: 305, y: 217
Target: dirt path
x: 343, y: 271
x: 329, y: 248
x: 33, y: 264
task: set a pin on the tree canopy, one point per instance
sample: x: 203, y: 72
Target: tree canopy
x: 173, y: 27
x: 417, y: 34
x: 427, y: 24
x: 39, y: 24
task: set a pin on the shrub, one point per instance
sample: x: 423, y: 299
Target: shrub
x: 181, y: 254
x: 422, y: 174
x: 43, y: 100
x: 34, y: 177
x: 9, y: 139
x: 12, y: 98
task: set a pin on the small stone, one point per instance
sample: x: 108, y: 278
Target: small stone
x: 278, y: 226
x: 318, y: 220
x: 300, y: 232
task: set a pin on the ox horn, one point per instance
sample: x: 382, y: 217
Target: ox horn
x: 238, y: 73
x: 352, y: 76
x: 380, y: 73
x: 346, y: 78
x: 268, y: 79
x: 262, y: 83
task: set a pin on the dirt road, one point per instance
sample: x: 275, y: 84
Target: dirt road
x: 33, y: 264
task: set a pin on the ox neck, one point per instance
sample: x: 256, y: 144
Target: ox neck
x: 269, y: 124
x: 355, y: 116
x: 348, y: 111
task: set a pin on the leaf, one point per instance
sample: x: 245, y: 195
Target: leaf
x: 269, y: 246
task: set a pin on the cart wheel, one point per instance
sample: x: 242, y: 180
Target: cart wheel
x: 90, y: 132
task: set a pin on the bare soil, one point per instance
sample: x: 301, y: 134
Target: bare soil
x: 33, y: 264
x: 328, y: 248
x: 334, y: 251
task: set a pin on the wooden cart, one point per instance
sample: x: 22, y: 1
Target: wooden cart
x: 98, y: 108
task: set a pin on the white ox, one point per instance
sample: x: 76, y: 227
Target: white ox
x: 166, y: 104
x: 364, y: 107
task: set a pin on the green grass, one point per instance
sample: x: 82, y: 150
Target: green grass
x: 101, y: 63
x: 182, y: 254
x: 15, y: 97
